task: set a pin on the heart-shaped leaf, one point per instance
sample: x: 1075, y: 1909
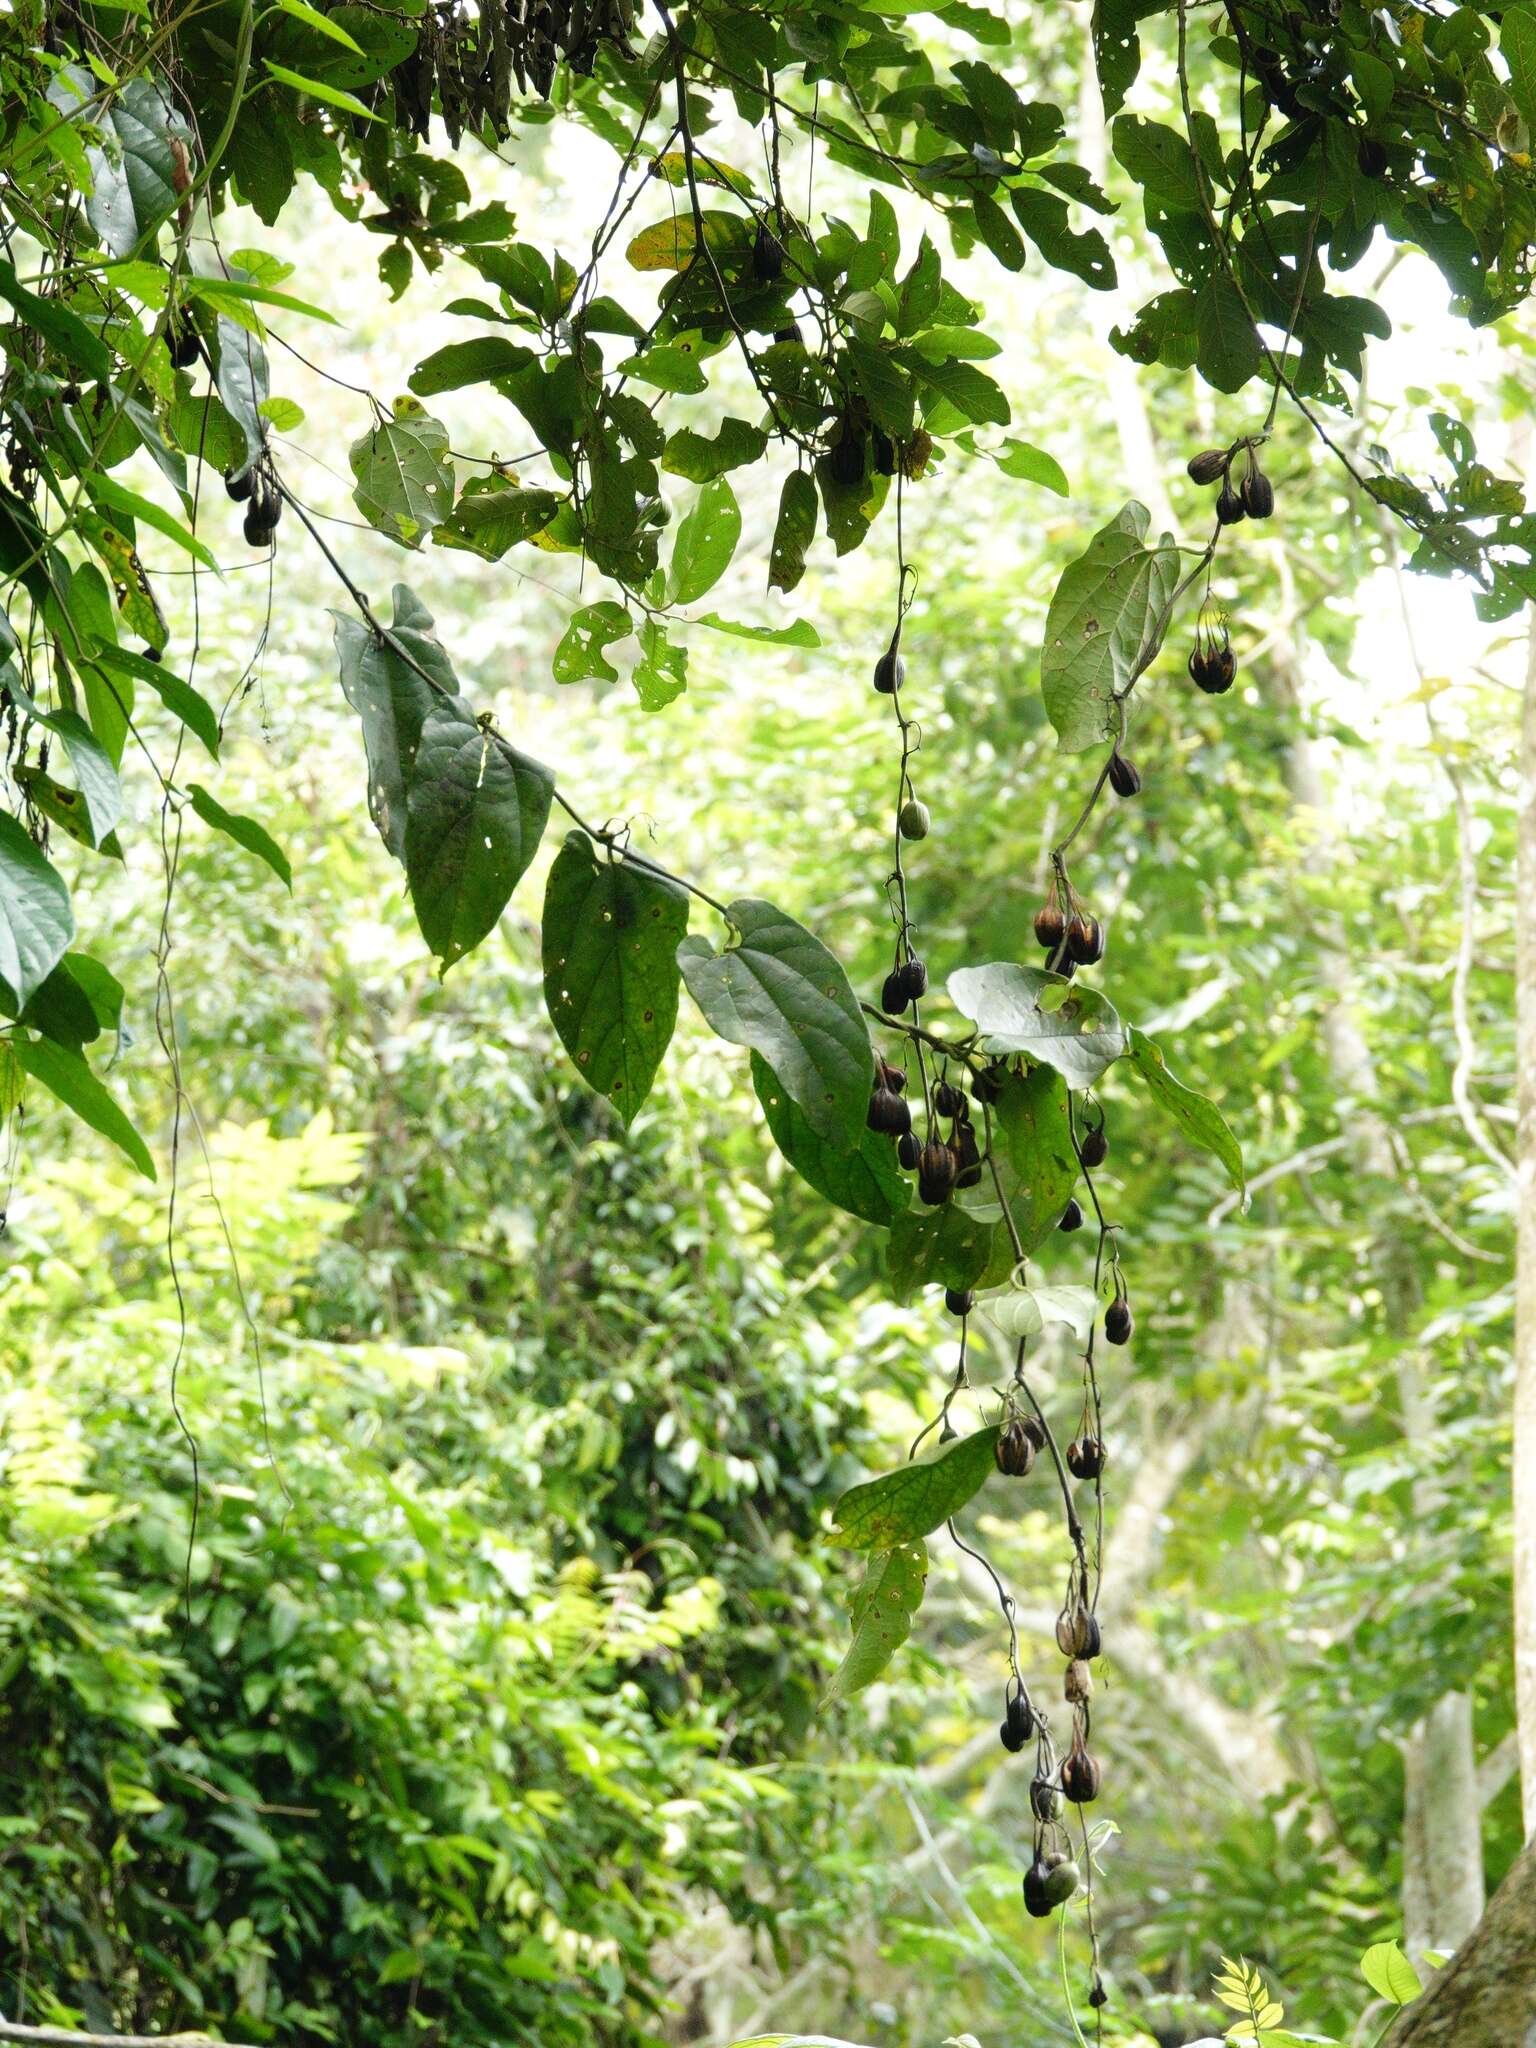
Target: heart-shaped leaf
x: 916, y: 1498
x: 1079, y: 1034
x: 1105, y: 623
x: 863, y: 1179
x: 880, y: 1615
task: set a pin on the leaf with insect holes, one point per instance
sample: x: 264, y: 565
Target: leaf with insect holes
x: 1026, y: 1009
x: 793, y: 532
x: 706, y: 541
x: 404, y: 480
x: 863, y: 1178
x: 392, y: 682
x: 475, y: 812
x: 945, y: 1247
x: 1036, y: 1161
x: 917, y: 1497
x: 880, y: 1616
x: 610, y: 936
x: 1105, y: 622
x: 779, y: 991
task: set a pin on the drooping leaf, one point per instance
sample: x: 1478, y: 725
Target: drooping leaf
x: 793, y: 532
x: 404, y: 479
x: 779, y: 991
x: 945, y: 1247
x: 917, y: 1497
x: 133, y: 165
x: 120, y: 668
x: 1195, y: 1114
x: 65, y: 330
x: 706, y: 541
x: 1036, y: 1161
x: 494, y: 514
x: 880, y: 1616
x: 863, y: 1179
x: 672, y: 244
x: 36, y: 922
x: 101, y: 794
x: 392, y: 684
x: 1025, y: 1311
x: 243, y: 831
x: 459, y: 363
x: 581, y: 654
x: 1390, y: 1974
x: 475, y: 812
x: 1025, y: 1009
x: 1105, y: 623
x: 701, y: 459
x: 610, y: 936
x: 799, y: 633
x: 66, y: 1075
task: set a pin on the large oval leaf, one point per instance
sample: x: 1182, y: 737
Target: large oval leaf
x: 880, y: 1615
x: 1195, y: 1114
x: 779, y: 991
x: 611, y: 933
x: 392, y: 684
x: 945, y: 1247
x: 1105, y: 623
x: 864, y: 1179
x: 1025, y: 1009
x: 36, y: 922
x: 1036, y: 1161
x: 916, y: 1498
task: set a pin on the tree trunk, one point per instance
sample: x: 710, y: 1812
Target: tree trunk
x: 1525, y: 1252
x: 1485, y: 1997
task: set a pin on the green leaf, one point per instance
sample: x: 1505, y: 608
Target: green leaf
x: 1035, y: 1158
x: 101, y: 794
x: 64, y: 330
x: 880, y: 1616
x: 1032, y: 466
x: 864, y: 1178
x: 1105, y: 623
x: 1196, y: 1116
x: 1025, y: 1311
x: 1116, y: 49
x: 321, y: 23
x: 610, y: 939
x: 661, y: 673
x: 177, y: 695
x: 667, y: 369
x: 998, y: 232
x: 945, y: 1247
x: 1229, y: 351
x: 1517, y: 46
x: 701, y: 460
x: 107, y: 490
x: 670, y: 244
x: 244, y: 831
x: 317, y: 89
x: 36, y: 922
x: 779, y: 991
x: 66, y: 1075
x: 392, y: 684
x: 580, y: 654
x: 1079, y: 1033
x: 404, y: 480
x: 793, y: 532
x: 469, y: 362
x: 706, y: 541
x: 244, y: 383
x: 475, y: 812
x: 1386, y: 1969
x: 1160, y: 161
x: 888, y: 392
x: 494, y: 514
x: 973, y: 394
x: 133, y: 168
x: 13, y: 1081
x: 799, y: 632
x: 917, y: 1497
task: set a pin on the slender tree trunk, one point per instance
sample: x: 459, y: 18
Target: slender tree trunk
x: 1485, y: 1997
x: 1525, y: 1253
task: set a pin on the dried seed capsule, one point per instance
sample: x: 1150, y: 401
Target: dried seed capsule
x: 1044, y: 1799
x: 936, y: 1170
x: 988, y: 1084
x: 181, y: 343
x: 1034, y: 1429
x: 1078, y: 1683
x: 1118, y: 1321
x: 1209, y: 464
x: 1226, y: 668
x: 1014, y: 1452
x: 1094, y: 1149
x: 914, y: 979
x: 1018, y: 1722
x: 912, y: 820
x: 967, y: 1158
x: 845, y: 459
x: 1229, y: 505
x: 1062, y: 1879
x: 767, y: 255
x: 908, y: 1147
x: 1080, y: 1775
x: 1036, y: 1898
x: 890, y: 672
x: 959, y: 1300
x: 153, y: 654
x: 1077, y: 1632
x: 1085, y: 1457
x: 1371, y: 157
x: 947, y: 1100
x: 1050, y: 924
x: 888, y: 1114
x: 1071, y: 1216
x: 1085, y: 940
x: 1098, y: 1996
x: 240, y: 487
x: 893, y: 992
x: 894, y: 1078
x: 258, y: 531
x: 1124, y: 776
x: 882, y: 451
x: 790, y: 332
x: 1258, y: 494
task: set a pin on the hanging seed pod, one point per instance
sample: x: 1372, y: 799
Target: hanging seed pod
x: 1078, y: 1683
x: 1371, y: 157
x: 908, y: 1147
x: 967, y: 1158
x: 1037, y: 1903
x: 1229, y: 505
x: 1118, y: 1321
x: 1071, y: 1216
x: 893, y: 992
x: 1034, y: 1429
x: 182, y: 343
x: 890, y: 670
x: 1062, y: 1879
x: 1085, y: 1457
x: 70, y: 394
x: 947, y: 1100
x: 767, y: 255
x: 258, y: 531
x: 1044, y: 1799
x: 959, y: 1300
x: 912, y: 820
x: 1080, y: 1774
x: 1094, y: 1149
x: 845, y: 459
x: 1018, y: 1722
x: 988, y: 1084
x: 1014, y: 1452
x: 1050, y: 924
x: 1209, y: 464
x: 914, y: 980
x: 789, y: 332
x: 239, y: 487
x: 1258, y: 494
x: 936, y: 1171
x: 1124, y: 776
x: 892, y: 1077
x: 1098, y: 1996
x: 882, y: 451
x: 888, y: 1114
x: 1085, y: 940
x: 1077, y: 1632
x: 1226, y: 668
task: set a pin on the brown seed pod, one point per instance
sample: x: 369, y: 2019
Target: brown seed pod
x: 1124, y: 776
x: 948, y: 1100
x: 882, y: 451
x: 1118, y: 1321
x: 258, y: 530
x: 1229, y: 505
x: 1034, y: 1429
x: 767, y: 255
x: 936, y: 1171
x: 1071, y: 1216
x: 959, y: 1300
x: 892, y: 1077
x: 1258, y: 494
x: 1050, y: 924
x: 1014, y: 1452
x: 1037, y: 1901
x: 914, y: 979
x: 888, y: 1113
x: 1098, y: 1996
x: 1078, y: 1683
x: 967, y: 1158
x: 1094, y: 1149
x: 1080, y: 1774
x: 1209, y: 464
x: 1018, y: 1722
x: 1085, y: 1457
x: 1077, y: 1632
x: 240, y: 487
x: 890, y: 671
x: 893, y: 992
x: 1085, y: 940
x: 908, y: 1146
x: 1226, y: 668
x: 790, y: 332
x: 1044, y: 1799
x: 845, y: 458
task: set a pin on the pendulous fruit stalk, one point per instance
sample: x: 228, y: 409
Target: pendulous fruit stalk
x: 959, y: 1300
x: 1094, y: 1149
x: 888, y: 1113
